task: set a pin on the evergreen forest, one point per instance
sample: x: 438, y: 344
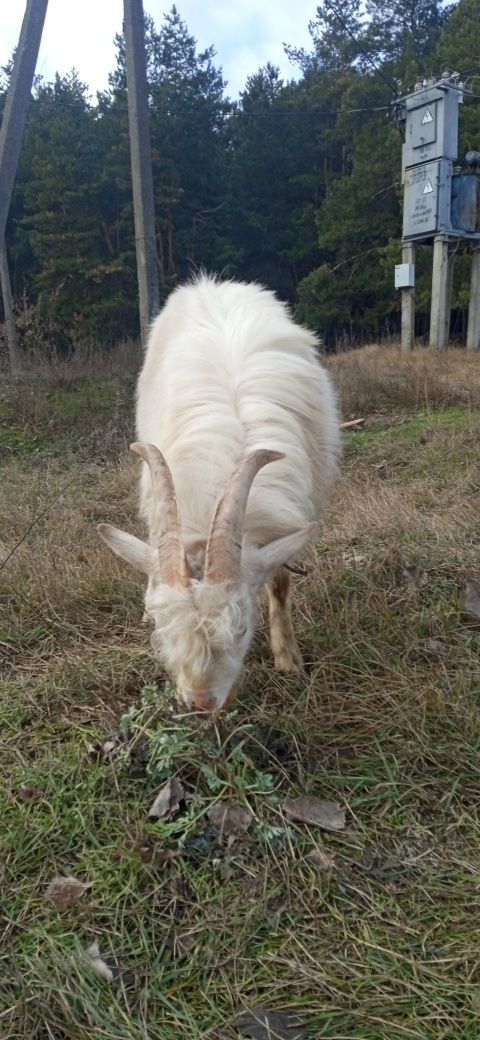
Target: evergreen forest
x: 295, y: 184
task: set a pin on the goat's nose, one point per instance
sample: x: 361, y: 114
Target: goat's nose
x: 202, y: 700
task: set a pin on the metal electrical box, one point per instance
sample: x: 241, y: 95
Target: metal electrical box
x: 435, y: 200
x: 426, y: 205
x: 404, y: 276
x: 464, y: 202
x: 431, y: 130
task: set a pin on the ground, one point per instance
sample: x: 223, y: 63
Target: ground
x: 377, y: 937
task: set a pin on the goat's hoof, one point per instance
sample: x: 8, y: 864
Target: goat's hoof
x: 289, y: 661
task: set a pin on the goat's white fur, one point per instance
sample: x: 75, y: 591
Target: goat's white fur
x: 226, y: 372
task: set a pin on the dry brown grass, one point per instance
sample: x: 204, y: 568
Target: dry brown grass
x: 380, y: 375
x: 385, y: 721
x: 85, y: 362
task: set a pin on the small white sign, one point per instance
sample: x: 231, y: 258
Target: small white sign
x: 428, y: 187
x: 428, y: 118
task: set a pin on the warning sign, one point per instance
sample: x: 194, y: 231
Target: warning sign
x: 421, y: 200
x: 427, y: 118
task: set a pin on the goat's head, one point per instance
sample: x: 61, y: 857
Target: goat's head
x: 203, y: 628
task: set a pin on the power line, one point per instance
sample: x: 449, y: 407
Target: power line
x: 328, y: 4
x: 53, y: 103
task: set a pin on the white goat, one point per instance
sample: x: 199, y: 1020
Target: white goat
x: 229, y: 384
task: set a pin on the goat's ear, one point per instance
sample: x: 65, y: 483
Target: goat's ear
x: 129, y: 548
x: 284, y: 550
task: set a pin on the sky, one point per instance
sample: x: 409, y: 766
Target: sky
x: 79, y: 33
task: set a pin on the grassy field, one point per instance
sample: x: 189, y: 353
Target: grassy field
x: 375, y: 937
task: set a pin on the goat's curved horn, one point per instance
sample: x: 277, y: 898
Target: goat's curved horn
x: 224, y: 546
x: 166, y: 529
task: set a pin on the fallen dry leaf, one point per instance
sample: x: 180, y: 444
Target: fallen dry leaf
x: 181, y: 944
x: 167, y: 802
x: 321, y: 859
x: 230, y: 820
x: 65, y: 891
x: 416, y: 575
x: 435, y: 646
x: 101, y: 750
x: 308, y: 809
x: 108, y: 746
x: 472, y: 599
x: 149, y: 852
x: 98, y: 965
x: 28, y: 793
x: 353, y: 557
x: 262, y: 1024
x: 225, y: 866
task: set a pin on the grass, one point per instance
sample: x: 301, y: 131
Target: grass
x: 380, y: 946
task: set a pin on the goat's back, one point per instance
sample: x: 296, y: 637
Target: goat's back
x: 226, y: 371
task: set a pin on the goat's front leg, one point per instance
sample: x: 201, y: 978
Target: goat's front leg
x: 285, y: 650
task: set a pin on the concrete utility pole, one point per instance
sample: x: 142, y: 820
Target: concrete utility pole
x: 442, y: 276
x: 473, y: 331
x: 408, y: 301
x: 140, y: 153
x: 12, y: 341
x: 11, y: 134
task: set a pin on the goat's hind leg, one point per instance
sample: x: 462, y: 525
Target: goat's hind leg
x: 285, y: 650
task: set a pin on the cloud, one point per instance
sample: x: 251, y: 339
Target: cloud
x: 75, y: 36
x: 249, y: 35
x: 244, y: 37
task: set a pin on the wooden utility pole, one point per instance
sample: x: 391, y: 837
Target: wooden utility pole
x: 141, y: 162
x: 11, y: 134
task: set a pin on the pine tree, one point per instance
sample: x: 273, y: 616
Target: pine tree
x: 459, y: 44
x: 337, y: 34
x: 351, y: 292
x: 274, y: 178
x: 189, y: 123
x: 458, y: 50
x: 60, y: 238
x: 404, y: 33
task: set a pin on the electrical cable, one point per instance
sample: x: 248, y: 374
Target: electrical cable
x: 329, y: 4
